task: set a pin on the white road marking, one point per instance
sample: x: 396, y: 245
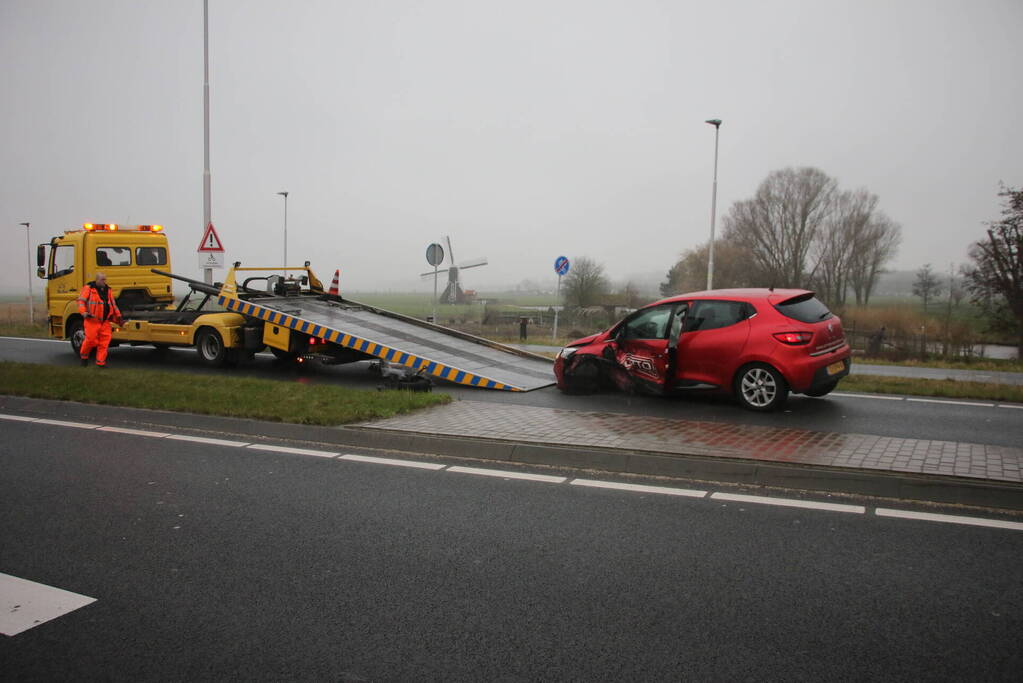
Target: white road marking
x: 789, y: 502
x: 876, y: 396
x: 1014, y: 407
x: 392, y: 461
x: 950, y: 519
x: 17, y: 418
x: 134, y: 432
x: 25, y: 604
x: 639, y: 488
x: 42, y: 339
x: 206, y: 440
x: 295, y: 451
x: 951, y: 403
x: 65, y: 423
x: 508, y: 475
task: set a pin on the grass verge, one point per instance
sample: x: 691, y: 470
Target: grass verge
x: 980, y: 365
x: 932, y: 387
x: 23, y: 330
x: 259, y: 399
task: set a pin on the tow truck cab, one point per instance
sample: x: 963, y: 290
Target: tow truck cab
x: 128, y: 255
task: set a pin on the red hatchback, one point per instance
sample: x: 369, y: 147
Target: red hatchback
x: 758, y: 344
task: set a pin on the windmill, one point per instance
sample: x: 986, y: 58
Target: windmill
x: 453, y: 293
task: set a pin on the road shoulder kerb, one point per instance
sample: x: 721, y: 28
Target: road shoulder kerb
x: 694, y: 467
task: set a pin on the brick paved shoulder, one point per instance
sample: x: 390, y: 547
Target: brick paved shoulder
x: 690, y: 437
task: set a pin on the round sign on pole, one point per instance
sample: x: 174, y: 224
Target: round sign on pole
x: 561, y: 265
x: 435, y: 254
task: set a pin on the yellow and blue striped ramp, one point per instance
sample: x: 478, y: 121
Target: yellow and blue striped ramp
x: 397, y: 341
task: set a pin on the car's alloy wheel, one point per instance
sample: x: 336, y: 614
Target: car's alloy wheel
x: 761, y: 387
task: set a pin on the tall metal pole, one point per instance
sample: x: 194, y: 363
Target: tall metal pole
x: 557, y: 303
x: 713, y: 205
x: 31, y: 301
x: 285, y: 195
x: 435, y: 271
x: 207, y: 216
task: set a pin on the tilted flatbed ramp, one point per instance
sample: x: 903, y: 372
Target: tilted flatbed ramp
x: 435, y: 350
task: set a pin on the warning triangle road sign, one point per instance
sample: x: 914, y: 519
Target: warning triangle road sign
x: 210, y: 240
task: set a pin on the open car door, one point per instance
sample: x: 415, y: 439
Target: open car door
x: 645, y: 346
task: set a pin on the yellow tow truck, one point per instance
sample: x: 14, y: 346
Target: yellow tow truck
x: 284, y: 309
x: 129, y: 255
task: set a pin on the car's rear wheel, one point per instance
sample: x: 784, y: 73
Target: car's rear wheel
x: 822, y: 390
x: 760, y: 387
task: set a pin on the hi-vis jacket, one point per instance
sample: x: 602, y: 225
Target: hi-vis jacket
x: 91, y: 303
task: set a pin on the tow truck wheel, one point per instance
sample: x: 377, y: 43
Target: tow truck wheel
x: 76, y: 333
x: 211, y: 348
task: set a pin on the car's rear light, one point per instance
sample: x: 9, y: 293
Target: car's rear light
x: 794, y: 338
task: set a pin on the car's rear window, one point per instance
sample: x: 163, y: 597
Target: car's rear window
x: 806, y: 309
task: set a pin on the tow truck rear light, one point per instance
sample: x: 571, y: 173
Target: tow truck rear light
x: 794, y: 338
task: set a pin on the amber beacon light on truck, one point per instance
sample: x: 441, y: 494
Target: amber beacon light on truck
x: 113, y: 227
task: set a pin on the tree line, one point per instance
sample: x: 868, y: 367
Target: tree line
x: 801, y: 230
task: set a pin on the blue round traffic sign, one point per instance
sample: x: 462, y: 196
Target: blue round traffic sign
x: 561, y: 265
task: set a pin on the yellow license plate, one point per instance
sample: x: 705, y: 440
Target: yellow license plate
x: 836, y: 368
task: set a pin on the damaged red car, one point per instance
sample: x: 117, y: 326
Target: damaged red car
x: 757, y: 344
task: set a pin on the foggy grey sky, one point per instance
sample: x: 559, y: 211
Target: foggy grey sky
x: 523, y: 129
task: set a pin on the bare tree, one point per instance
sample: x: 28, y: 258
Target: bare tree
x: 926, y: 286
x: 874, y: 247
x: 585, y: 285
x: 781, y: 222
x: 840, y: 243
x: 995, y: 279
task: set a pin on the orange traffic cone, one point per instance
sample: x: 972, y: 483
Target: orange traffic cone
x: 334, y: 285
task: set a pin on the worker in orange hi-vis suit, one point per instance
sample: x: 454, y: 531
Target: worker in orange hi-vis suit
x: 96, y: 304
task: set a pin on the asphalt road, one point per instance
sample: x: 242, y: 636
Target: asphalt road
x: 217, y: 563
x: 909, y: 419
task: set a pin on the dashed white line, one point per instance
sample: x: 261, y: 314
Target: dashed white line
x: 789, y: 502
x: 638, y: 488
x: 25, y: 604
x: 18, y: 418
x: 207, y: 440
x: 293, y: 451
x: 65, y: 423
x: 42, y: 339
x: 508, y: 475
x: 951, y: 403
x: 1014, y: 407
x: 949, y: 519
x: 874, y: 396
x: 392, y: 461
x: 134, y: 432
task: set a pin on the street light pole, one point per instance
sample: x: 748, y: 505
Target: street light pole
x: 285, y: 195
x: 713, y: 204
x: 207, y: 215
x: 31, y: 302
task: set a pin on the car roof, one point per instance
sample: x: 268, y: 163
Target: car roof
x: 748, y: 294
